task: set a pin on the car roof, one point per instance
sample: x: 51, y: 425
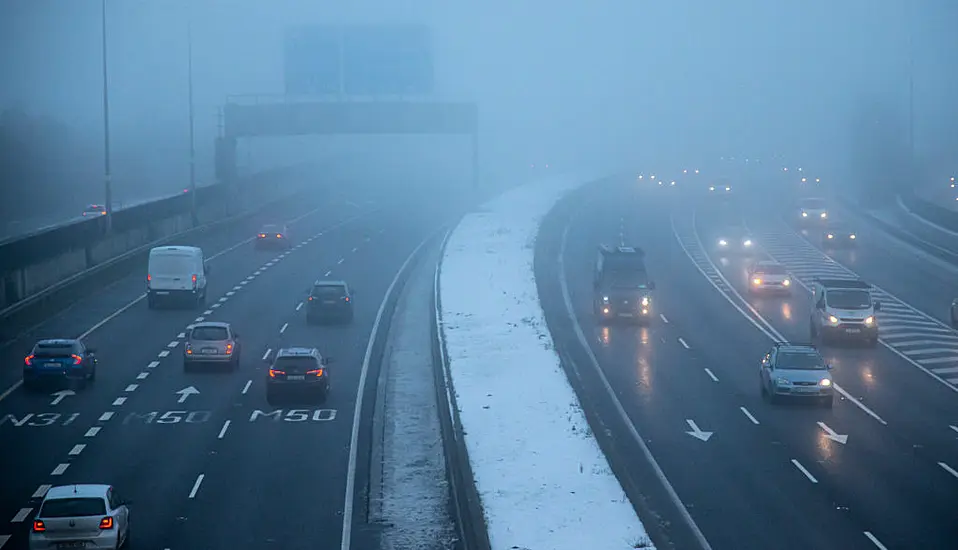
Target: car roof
x: 216, y: 324
x: 329, y: 282
x: 57, y: 342
x: 298, y: 352
x: 797, y: 348
x: 176, y: 248
x: 77, y: 491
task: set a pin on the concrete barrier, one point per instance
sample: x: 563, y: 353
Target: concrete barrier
x: 38, y: 263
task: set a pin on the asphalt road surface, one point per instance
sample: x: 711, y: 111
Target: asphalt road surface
x: 205, y: 461
x: 879, y: 470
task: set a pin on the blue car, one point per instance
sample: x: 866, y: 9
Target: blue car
x: 59, y: 360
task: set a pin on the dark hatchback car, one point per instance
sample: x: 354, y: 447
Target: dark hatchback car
x: 839, y: 236
x: 59, y: 360
x: 329, y: 301
x: 272, y: 236
x: 297, y: 371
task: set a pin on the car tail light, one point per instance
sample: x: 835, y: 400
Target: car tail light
x: 317, y: 372
x: 346, y: 298
x: 262, y: 235
x: 274, y: 372
x: 28, y: 360
x: 39, y: 526
x: 106, y: 523
x: 229, y: 348
x: 279, y: 236
x: 148, y: 279
x: 103, y: 212
x: 77, y: 359
x: 310, y: 299
x: 194, y: 281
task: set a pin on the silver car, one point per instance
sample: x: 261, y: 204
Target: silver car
x: 796, y: 371
x: 91, y: 517
x: 209, y: 343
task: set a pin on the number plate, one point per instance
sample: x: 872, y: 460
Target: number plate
x: 807, y: 389
x: 852, y: 330
x: 71, y: 544
x: 161, y: 292
x: 329, y: 301
x: 52, y: 365
x: 209, y: 351
x: 626, y: 315
x: 296, y: 377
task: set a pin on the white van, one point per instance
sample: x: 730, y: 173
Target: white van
x: 176, y: 273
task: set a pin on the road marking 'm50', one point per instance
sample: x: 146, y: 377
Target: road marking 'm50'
x: 295, y: 415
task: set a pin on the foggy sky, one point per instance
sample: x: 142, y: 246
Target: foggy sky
x: 611, y: 83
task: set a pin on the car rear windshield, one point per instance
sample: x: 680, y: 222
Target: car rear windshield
x: 299, y: 363
x: 171, y: 265
x: 270, y: 229
x: 329, y: 291
x: 800, y: 361
x: 73, y: 507
x: 771, y: 269
x: 849, y: 299
x: 813, y: 203
x: 48, y: 350
x: 210, y: 334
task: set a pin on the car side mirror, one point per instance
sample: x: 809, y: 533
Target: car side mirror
x: 877, y: 305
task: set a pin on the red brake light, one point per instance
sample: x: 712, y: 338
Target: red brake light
x: 310, y: 298
x: 279, y: 236
x: 229, y: 348
x: 262, y: 235
x: 28, y: 360
x: 346, y: 298
x: 149, y: 277
x: 38, y: 526
x: 106, y: 523
x: 317, y: 372
x: 194, y: 277
x: 77, y: 359
x: 274, y: 372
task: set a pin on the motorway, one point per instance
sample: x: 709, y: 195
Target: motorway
x: 879, y: 470
x: 205, y: 461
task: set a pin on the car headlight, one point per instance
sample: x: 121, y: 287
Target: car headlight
x: 869, y: 320
x: 782, y: 381
x: 757, y: 281
x: 832, y: 319
x: 728, y: 188
x: 786, y: 282
x: 804, y: 214
x: 830, y: 236
x: 711, y: 189
x: 747, y: 242
x: 825, y: 382
x: 824, y: 214
x: 852, y: 236
x: 645, y: 301
x: 605, y: 299
x: 723, y: 242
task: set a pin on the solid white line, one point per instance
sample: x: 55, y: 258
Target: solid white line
x: 142, y: 376
x: 955, y: 428
x: 58, y: 471
x: 875, y: 541
x: 11, y: 389
x: 110, y: 317
x: 153, y: 364
x: 131, y: 387
x: 357, y: 411
x: 21, y: 515
x: 225, y: 427
x: 106, y: 416
x: 861, y: 405
x: 266, y: 355
x: 119, y: 401
x: 749, y: 415
x: 804, y: 471
x: 41, y: 491
x: 283, y: 328
x: 662, y: 316
x: 196, y: 485
x: 299, y: 306
x: 684, y: 345
x: 613, y: 396
x: 246, y: 387
x: 163, y: 353
x: 77, y: 449
x: 711, y: 374
x: 328, y: 273
x: 341, y: 260
x: 92, y: 431
x: 948, y: 469
x: 181, y: 335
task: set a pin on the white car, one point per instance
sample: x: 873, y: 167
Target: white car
x: 812, y: 211
x: 768, y: 277
x: 85, y: 516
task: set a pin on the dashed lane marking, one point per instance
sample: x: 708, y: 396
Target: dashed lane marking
x: 299, y: 306
x: 226, y: 426
x: 283, y: 328
x: 749, y: 415
x: 163, y: 353
x: 173, y: 344
x: 875, y: 541
x: 77, y: 449
x: 4, y: 539
x: 119, y: 401
x: 266, y: 355
x: 131, y: 388
x: 196, y: 486
x: 684, y: 344
x: 328, y: 273
x: 214, y: 306
x: 153, y: 364
x: 181, y: 335
x: 106, y: 416
x: 92, y: 432
x: 208, y: 312
x: 948, y: 469
x: 41, y: 491
x: 142, y: 376
x: 246, y: 387
x: 341, y: 260
x: 223, y: 299
x: 804, y: 471
x: 58, y: 471
x: 662, y: 316
x: 21, y: 515
x: 231, y: 293
x: 709, y: 372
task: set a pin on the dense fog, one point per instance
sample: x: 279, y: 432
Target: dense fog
x: 572, y: 84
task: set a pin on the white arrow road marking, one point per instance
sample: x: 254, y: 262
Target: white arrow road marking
x: 832, y: 434
x: 60, y: 396
x: 696, y: 432
x: 186, y: 392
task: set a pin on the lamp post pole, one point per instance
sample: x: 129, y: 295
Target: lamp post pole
x: 189, y: 46
x: 107, y: 175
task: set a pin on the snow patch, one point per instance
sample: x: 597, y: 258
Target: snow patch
x: 541, y: 476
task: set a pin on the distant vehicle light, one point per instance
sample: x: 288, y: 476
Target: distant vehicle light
x: 786, y: 282
x: 852, y: 236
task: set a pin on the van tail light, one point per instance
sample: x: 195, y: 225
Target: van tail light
x: 39, y: 526
x: 346, y: 298
x: 194, y: 281
x: 28, y: 360
x: 77, y: 359
x: 317, y: 372
x: 310, y: 299
x: 274, y: 372
x: 106, y: 522
x: 149, y: 278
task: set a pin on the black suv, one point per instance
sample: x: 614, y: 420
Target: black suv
x: 329, y: 300
x: 297, y: 370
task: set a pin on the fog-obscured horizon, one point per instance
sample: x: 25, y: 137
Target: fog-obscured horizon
x: 574, y: 84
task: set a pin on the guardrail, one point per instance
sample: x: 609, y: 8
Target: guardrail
x: 930, y: 211
x: 464, y: 497
x: 85, y: 250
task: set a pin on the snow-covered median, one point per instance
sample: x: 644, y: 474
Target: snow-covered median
x: 543, y: 481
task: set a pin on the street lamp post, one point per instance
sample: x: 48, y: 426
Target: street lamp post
x: 107, y: 176
x: 189, y: 46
